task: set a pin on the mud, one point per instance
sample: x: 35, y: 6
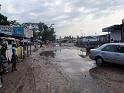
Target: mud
x: 63, y: 70
x: 48, y: 54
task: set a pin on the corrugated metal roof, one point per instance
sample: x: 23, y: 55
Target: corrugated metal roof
x: 112, y: 28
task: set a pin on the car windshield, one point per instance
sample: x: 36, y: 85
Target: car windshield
x: 101, y: 47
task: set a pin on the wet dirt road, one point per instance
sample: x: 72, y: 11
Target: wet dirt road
x: 77, y: 69
x: 63, y: 70
x: 86, y: 77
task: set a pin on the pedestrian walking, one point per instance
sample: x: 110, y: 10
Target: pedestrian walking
x: 14, y: 57
x: 41, y: 44
x: 60, y: 44
x: 88, y: 47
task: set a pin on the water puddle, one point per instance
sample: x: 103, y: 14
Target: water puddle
x: 48, y: 54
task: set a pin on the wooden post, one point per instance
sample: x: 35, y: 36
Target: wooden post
x: 30, y: 48
x: 27, y: 50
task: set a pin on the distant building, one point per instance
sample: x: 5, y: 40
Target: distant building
x: 93, y: 41
x: 89, y: 38
x: 69, y: 39
x: 102, y: 39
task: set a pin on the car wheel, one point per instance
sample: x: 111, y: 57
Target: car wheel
x: 99, y: 61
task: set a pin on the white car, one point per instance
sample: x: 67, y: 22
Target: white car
x: 110, y: 52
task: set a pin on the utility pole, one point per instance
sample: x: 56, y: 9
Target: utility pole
x: 122, y: 34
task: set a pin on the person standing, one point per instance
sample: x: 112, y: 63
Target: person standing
x: 4, y: 58
x: 41, y: 44
x: 14, y: 57
x: 112, y: 41
x: 3, y: 50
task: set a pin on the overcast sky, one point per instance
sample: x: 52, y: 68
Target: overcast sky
x: 71, y: 17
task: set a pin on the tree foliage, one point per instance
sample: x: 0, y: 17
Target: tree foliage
x: 43, y: 32
x: 47, y: 33
x: 3, y: 20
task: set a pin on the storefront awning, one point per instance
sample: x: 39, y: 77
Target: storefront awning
x: 112, y: 28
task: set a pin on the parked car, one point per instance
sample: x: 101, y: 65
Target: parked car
x: 111, y: 52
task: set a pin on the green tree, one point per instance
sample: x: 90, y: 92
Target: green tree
x: 3, y: 20
x: 43, y: 32
x: 47, y: 33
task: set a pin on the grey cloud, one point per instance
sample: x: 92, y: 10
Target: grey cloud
x: 61, y: 12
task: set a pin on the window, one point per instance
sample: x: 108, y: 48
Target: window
x: 121, y: 49
x: 110, y: 48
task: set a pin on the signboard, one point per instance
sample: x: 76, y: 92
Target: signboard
x: 28, y: 32
x: 18, y: 31
x: 6, y: 30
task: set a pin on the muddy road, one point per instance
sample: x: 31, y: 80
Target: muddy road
x: 83, y: 75
x: 63, y: 70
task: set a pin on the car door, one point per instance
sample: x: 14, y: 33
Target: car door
x: 109, y: 53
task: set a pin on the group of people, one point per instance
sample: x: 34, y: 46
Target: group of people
x: 4, y: 60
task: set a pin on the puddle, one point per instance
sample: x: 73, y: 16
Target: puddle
x: 77, y: 67
x: 48, y: 54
